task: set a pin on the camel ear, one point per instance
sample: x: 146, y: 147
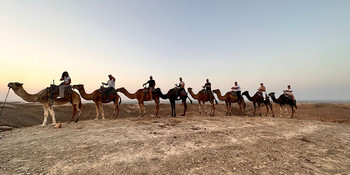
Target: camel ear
x: 19, y: 84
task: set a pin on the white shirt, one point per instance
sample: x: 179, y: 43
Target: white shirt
x: 66, y: 80
x: 238, y: 89
x: 111, y: 83
x: 289, y: 91
x: 182, y: 84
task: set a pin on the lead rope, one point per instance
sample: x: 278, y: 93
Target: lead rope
x: 5, y: 101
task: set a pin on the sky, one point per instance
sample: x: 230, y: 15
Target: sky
x: 302, y: 43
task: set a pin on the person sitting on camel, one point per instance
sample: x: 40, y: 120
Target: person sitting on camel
x: 207, y: 87
x: 262, y: 91
x: 289, y: 91
x: 181, y: 86
x: 151, y: 85
x: 110, y: 86
x: 237, y: 89
x: 66, y: 82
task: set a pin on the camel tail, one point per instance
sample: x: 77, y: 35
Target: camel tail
x: 120, y: 101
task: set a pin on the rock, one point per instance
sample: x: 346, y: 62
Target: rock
x: 58, y: 125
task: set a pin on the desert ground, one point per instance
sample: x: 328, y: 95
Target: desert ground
x: 316, y: 141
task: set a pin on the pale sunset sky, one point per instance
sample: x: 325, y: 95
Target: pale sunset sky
x: 302, y: 43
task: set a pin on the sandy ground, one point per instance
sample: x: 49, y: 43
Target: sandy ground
x: 317, y: 141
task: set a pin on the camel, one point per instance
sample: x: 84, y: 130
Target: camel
x: 43, y: 97
x: 229, y: 98
x: 258, y: 99
x: 141, y: 96
x: 202, y: 98
x: 96, y: 97
x: 284, y: 101
x: 173, y: 95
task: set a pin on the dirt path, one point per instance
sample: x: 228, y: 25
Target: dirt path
x: 183, y: 145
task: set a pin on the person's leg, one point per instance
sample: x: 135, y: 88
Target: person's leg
x: 61, y: 91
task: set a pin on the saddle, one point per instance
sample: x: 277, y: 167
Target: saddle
x: 234, y: 94
x: 104, y: 91
x: 288, y: 96
x: 54, y: 89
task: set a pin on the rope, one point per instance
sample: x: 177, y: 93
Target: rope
x: 5, y: 101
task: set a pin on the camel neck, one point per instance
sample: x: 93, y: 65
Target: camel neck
x: 195, y: 96
x: 26, y: 96
x: 84, y: 95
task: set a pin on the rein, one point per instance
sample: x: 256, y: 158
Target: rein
x: 5, y: 101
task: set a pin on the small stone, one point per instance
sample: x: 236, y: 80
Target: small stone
x: 58, y: 125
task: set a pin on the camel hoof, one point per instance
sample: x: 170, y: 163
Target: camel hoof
x: 43, y: 125
x: 95, y: 119
x: 76, y: 121
x: 103, y: 118
x: 53, y: 124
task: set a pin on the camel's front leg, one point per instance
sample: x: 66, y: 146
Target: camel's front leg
x: 293, y: 111
x: 46, y: 113
x: 285, y: 109
x: 185, y: 107
x: 143, y: 107
x: 97, y: 110
x: 205, y: 109
x: 254, y: 108
x: 212, y: 108
x: 52, y: 113
x: 199, y: 107
x: 267, y: 110
x: 102, y: 111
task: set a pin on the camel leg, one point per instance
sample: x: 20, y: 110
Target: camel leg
x: 199, y: 107
x: 102, y: 111
x: 259, y: 109
x: 116, y: 108
x: 229, y: 104
x: 254, y: 108
x: 78, y: 109
x: 281, y: 110
x: 143, y: 107
x: 273, y: 115
x: 267, y: 110
x: 157, y: 107
x: 52, y: 113
x: 292, y: 112
x: 213, y: 108
x: 46, y: 113
x: 173, y: 113
x: 226, y: 108
x: 240, y: 108
x: 97, y: 110
x: 140, y: 107
x: 285, y: 109
x: 185, y: 107
x: 205, y: 110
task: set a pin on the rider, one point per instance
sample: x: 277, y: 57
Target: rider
x: 181, y: 86
x: 237, y: 89
x: 262, y: 91
x: 207, y: 87
x: 111, y: 86
x: 289, y: 91
x: 151, y: 84
x: 66, y: 82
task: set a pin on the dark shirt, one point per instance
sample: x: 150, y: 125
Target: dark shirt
x: 151, y: 83
x: 207, y: 86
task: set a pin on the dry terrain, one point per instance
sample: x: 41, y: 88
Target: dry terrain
x: 316, y: 141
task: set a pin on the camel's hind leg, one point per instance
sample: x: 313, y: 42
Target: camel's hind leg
x: 273, y: 115
x: 285, y: 109
x: 116, y: 108
x: 52, y: 113
x: 78, y: 109
x: 212, y: 108
x: 46, y: 113
x: 281, y: 110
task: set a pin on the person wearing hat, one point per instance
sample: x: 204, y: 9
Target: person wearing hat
x: 66, y: 82
x: 110, y: 86
x: 289, y: 91
x: 151, y: 84
x: 237, y: 89
x: 262, y: 91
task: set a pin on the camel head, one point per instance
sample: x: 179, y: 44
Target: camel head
x: 78, y: 86
x: 15, y: 85
x: 245, y: 93
x: 189, y: 89
x: 271, y: 94
x: 120, y: 89
x: 216, y: 91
